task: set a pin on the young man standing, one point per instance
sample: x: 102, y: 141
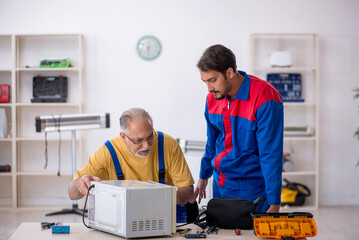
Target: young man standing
x: 244, y: 147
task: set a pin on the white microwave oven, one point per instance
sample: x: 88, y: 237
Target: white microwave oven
x: 132, y: 209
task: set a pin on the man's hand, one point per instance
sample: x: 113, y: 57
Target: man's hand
x: 84, y: 183
x: 78, y: 188
x: 273, y: 209
x: 200, y: 190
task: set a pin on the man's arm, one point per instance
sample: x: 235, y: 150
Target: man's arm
x: 270, y: 146
x: 184, y: 194
x: 273, y: 209
x: 78, y: 188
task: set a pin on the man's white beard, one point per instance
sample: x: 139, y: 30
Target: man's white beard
x: 143, y: 150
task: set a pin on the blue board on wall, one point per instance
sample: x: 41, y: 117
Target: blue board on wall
x: 289, y: 85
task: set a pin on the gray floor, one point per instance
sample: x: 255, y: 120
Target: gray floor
x: 333, y: 223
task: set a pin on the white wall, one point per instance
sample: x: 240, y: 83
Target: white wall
x: 170, y: 87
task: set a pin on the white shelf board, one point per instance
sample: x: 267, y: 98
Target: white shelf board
x: 5, y: 207
x: 5, y: 139
x: 299, y: 173
x: 71, y: 69
x: 45, y: 174
x: 283, y: 34
x: 284, y: 70
x: 5, y: 104
x: 42, y: 208
x: 299, y: 104
x: 57, y: 35
x: 313, y: 138
x: 48, y: 104
x: 41, y: 139
x: 5, y: 174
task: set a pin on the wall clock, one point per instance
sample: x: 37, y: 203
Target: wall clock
x: 148, y: 47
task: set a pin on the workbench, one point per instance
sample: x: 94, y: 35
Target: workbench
x: 79, y: 232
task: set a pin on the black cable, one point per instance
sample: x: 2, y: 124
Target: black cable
x: 57, y: 126
x: 46, y: 154
x: 59, y: 151
x: 201, y: 220
x: 182, y: 225
x: 83, y: 213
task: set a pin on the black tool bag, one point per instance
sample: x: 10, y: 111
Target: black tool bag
x: 228, y: 213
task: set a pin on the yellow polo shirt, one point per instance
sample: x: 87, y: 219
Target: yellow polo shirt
x: 100, y: 163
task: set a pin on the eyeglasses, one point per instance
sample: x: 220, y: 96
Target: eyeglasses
x: 139, y: 141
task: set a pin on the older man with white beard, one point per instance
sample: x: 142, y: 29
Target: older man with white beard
x: 138, y: 153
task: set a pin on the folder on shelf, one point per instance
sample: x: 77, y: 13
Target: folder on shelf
x: 3, y: 123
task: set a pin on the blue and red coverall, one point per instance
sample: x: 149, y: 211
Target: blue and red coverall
x: 244, y: 149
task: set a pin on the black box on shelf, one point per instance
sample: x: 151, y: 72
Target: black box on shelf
x: 5, y: 168
x: 49, y: 89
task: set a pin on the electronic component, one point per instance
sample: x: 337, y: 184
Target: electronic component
x: 54, y: 63
x: 191, y: 145
x: 132, y: 209
x: 49, y: 89
x: 289, y: 85
x: 62, y: 229
x: 281, y: 59
x: 46, y: 225
x: 69, y: 122
x: 5, y: 168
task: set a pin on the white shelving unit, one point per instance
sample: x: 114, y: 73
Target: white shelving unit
x: 304, y: 52
x: 23, y: 148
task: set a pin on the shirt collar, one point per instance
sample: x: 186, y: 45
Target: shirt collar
x: 243, y: 91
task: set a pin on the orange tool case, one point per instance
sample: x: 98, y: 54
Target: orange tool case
x: 293, y: 225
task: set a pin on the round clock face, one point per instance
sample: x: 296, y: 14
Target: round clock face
x: 148, y: 47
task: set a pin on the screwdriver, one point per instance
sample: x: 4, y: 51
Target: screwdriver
x: 195, y: 235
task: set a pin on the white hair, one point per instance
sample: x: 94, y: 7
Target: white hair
x: 131, y: 114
